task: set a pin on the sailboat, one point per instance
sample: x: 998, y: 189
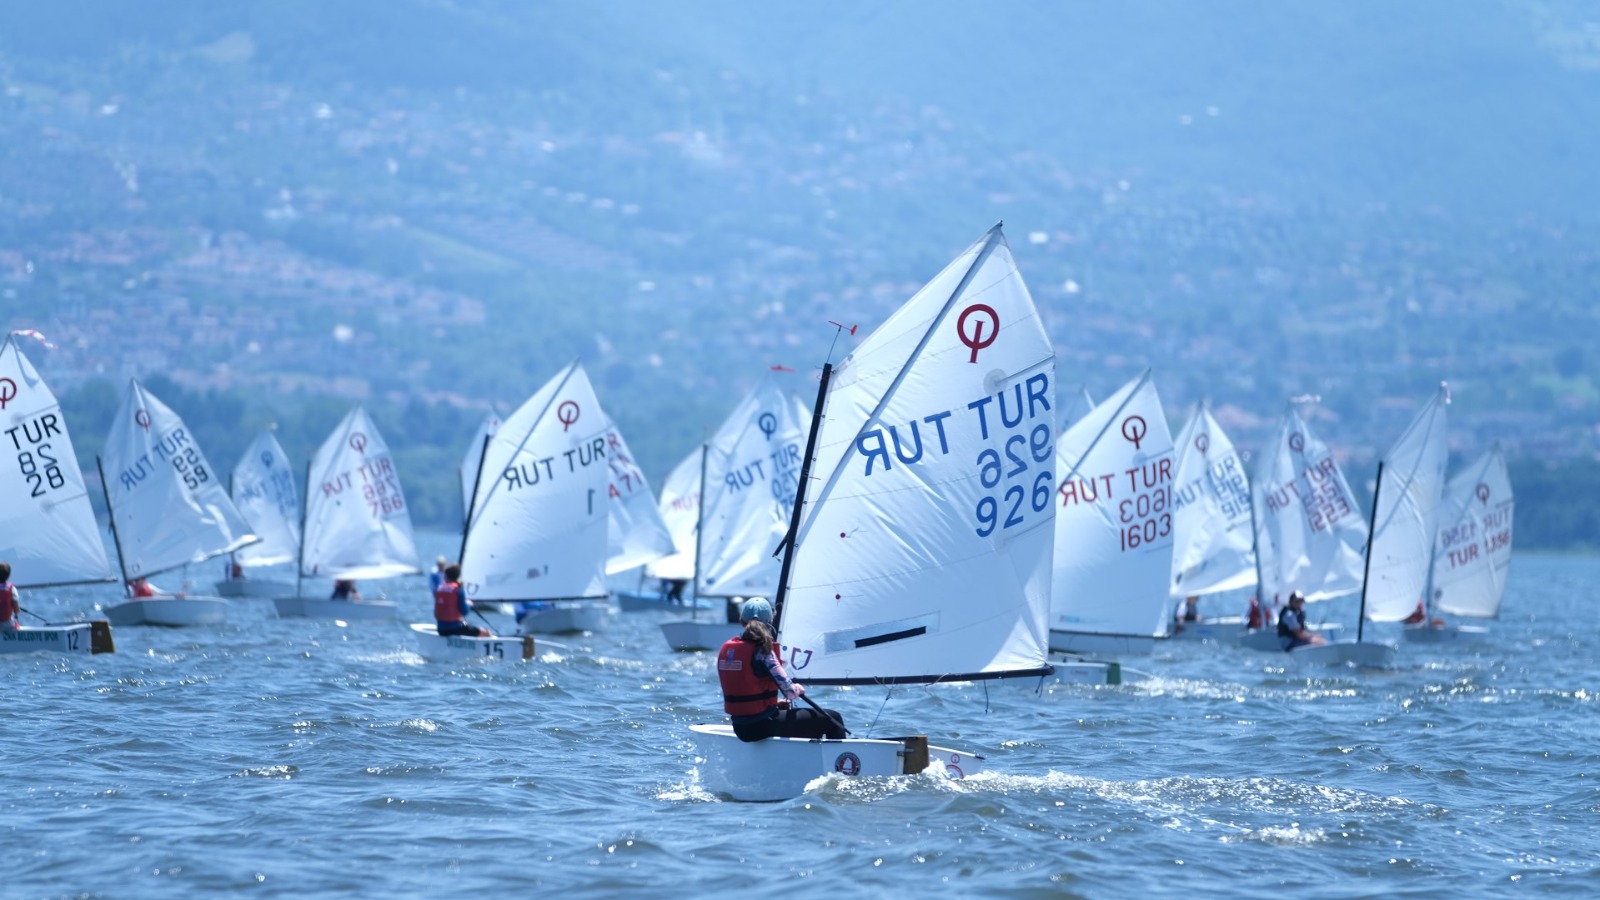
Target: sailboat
x: 1310, y: 536
x: 923, y: 554
x: 357, y: 523
x: 1472, y: 555
x: 679, y: 509
x: 636, y: 534
x: 47, y: 528
x: 168, y: 510
x: 1405, y: 516
x: 262, y: 487
x: 751, y: 467
x: 538, y: 527
x: 1213, y: 548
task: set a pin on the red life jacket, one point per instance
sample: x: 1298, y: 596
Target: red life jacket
x: 747, y: 689
x: 1260, y: 616
x: 141, y: 589
x: 447, y: 602
x: 8, y: 604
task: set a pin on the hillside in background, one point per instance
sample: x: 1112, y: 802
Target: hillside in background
x: 429, y: 206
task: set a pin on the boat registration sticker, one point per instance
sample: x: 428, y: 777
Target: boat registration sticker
x: 848, y: 764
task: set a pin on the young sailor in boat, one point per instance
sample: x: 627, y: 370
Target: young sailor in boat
x: 10, y: 600
x: 1292, y: 629
x: 450, y: 607
x: 1186, y: 612
x: 344, y: 589
x: 140, y: 588
x: 1259, y: 615
x: 752, y: 678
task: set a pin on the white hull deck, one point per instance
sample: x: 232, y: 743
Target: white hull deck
x: 246, y: 588
x: 344, y: 610
x: 1225, y: 628
x: 1082, y: 642
x: 1445, y: 634
x: 780, y: 768
x: 454, y: 647
x: 687, y: 635
x: 1361, y: 654
x: 172, y: 612
x: 1090, y: 671
x: 78, y: 639
x: 566, y: 618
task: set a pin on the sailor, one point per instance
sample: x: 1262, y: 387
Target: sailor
x: 1292, y: 629
x: 450, y: 606
x: 1259, y: 615
x: 10, y: 600
x: 757, y: 692
x: 344, y: 589
x: 436, y: 577
x: 141, y: 588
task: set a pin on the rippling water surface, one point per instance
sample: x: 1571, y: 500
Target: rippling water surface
x: 305, y: 757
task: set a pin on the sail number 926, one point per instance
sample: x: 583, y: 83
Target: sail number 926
x: 1024, y: 488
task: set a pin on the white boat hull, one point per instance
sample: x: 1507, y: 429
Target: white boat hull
x: 1225, y: 628
x: 1095, y: 672
x: 780, y: 768
x: 1362, y: 654
x: 1101, y: 644
x: 454, y: 647
x: 636, y: 601
x: 76, y: 639
x: 1445, y: 634
x: 688, y: 635
x: 566, y: 618
x: 346, y: 610
x: 258, y: 590
x: 173, y: 612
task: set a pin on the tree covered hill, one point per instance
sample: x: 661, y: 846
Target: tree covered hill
x: 428, y: 206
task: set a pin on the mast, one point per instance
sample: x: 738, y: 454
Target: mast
x: 699, y: 522
x: 800, y: 494
x: 300, y: 560
x: 111, y: 515
x: 1366, y: 568
x: 471, y: 504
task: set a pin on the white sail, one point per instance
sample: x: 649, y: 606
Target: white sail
x: 472, y: 459
x: 924, y: 548
x: 1113, y: 536
x: 47, y: 528
x: 1407, y: 518
x: 680, y: 509
x: 635, y: 531
x: 1473, y: 554
x: 1213, y: 546
x: 1079, y: 404
x: 540, y: 518
x: 357, y: 522
x: 1310, y: 535
x: 167, y: 503
x: 264, y: 491
x: 752, y: 470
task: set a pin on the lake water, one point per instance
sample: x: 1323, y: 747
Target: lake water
x: 296, y: 757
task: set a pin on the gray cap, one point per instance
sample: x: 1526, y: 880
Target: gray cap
x: 756, y: 608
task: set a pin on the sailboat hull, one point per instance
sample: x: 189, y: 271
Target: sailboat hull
x: 347, y: 610
x: 171, y: 612
x: 450, y: 648
x: 1219, y: 629
x: 688, y: 635
x: 566, y: 618
x: 780, y: 768
x: 75, y: 639
x: 1362, y: 654
x: 1096, y: 672
x: 1267, y: 638
x: 637, y: 601
x: 257, y: 590
x: 1445, y: 634
x: 1098, y: 644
